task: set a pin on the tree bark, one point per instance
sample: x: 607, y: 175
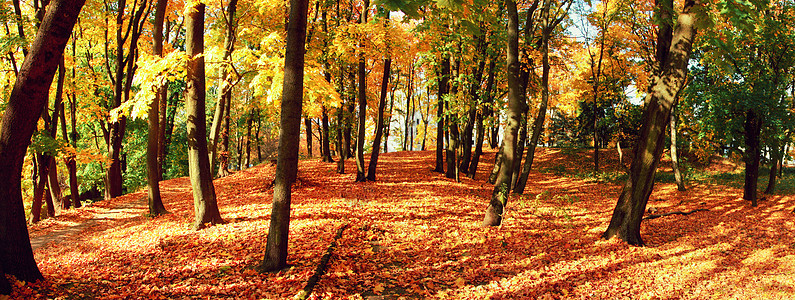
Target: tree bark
x: 223, y: 155
x: 287, y: 163
x: 154, y: 175
x: 665, y: 85
x: 753, y: 126
x: 24, y: 107
x: 204, y: 202
x: 362, y: 97
x: 308, y: 126
x: 516, y: 107
x: 325, y: 144
x: 379, y: 124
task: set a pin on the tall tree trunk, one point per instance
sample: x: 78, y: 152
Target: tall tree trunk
x: 154, y: 175
x: 225, y: 93
x: 753, y: 126
x: 440, y: 123
x: 249, y: 124
x: 287, y: 163
x: 516, y: 108
x: 343, y: 144
x: 40, y: 183
x: 379, y: 123
x: 362, y: 97
x: 776, y: 158
x: 204, y: 202
x: 665, y: 85
x: 388, y: 121
x: 23, y: 109
x: 680, y: 185
x: 538, y: 125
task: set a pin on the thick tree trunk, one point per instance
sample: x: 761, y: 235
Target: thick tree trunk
x: 665, y: 85
x: 379, y: 123
x: 516, y: 108
x: 287, y: 163
x: 680, y: 185
x: 24, y: 107
x: 753, y: 126
x: 154, y: 175
x: 204, y: 202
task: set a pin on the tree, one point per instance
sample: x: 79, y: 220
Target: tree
x: 154, y: 174
x: 666, y: 84
x: 516, y: 108
x: 26, y: 103
x: 362, y: 97
x: 287, y: 162
x: 379, y: 124
x: 204, y: 203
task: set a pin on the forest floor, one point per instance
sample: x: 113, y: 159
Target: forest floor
x: 416, y: 234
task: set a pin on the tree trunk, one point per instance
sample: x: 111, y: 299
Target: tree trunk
x: 771, y: 180
x: 379, y: 123
x: 154, y: 175
x: 538, y: 125
x: 225, y: 93
x: 249, y: 124
x: 680, y: 185
x: 23, y: 109
x: 39, y: 187
x: 325, y: 144
x: 308, y: 126
x: 287, y: 163
x: 753, y: 126
x: 487, y: 111
x: 223, y: 156
x: 440, y: 123
x: 665, y: 85
x: 204, y: 203
x: 362, y: 97
x: 516, y: 108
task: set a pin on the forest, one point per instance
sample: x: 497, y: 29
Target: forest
x: 393, y: 149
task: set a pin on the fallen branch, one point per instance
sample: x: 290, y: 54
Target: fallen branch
x: 673, y: 213
x: 321, y: 267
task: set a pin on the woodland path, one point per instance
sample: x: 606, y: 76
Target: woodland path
x: 115, y: 213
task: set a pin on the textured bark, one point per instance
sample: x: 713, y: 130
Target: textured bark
x: 308, y: 126
x: 379, y: 123
x: 223, y: 152
x: 627, y: 215
x: 325, y: 143
x: 287, y: 163
x: 440, y: 123
x: 362, y: 97
x: 753, y: 126
x: 516, y: 107
x: 26, y: 103
x: 154, y: 175
x: 205, y: 205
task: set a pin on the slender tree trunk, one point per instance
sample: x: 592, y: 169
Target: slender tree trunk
x: 249, y: 124
x: 753, y: 126
x: 325, y: 145
x: 362, y: 97
x: 538, y: 125
x: 225, y: 93
x: 379, y: 124
x: 287, y: 163
x: 223, y: 155
x: 665, y: 85
x: 487, y: 111
x: 308, y: 126
x: 23, y: 109
x: 771, y: 180
x: 39, y: 187
x: 154, y: 175
x: 680, y: 185
x: 204, y: 202
x: 516, y: 108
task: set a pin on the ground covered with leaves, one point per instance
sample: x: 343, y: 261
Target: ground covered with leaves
x: 415, y: 234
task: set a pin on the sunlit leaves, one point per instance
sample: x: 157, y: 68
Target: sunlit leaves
x: 153, y: 72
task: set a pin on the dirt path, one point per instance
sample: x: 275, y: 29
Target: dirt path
x: 137, y: 206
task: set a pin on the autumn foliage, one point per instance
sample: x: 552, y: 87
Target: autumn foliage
x: 416, y: 234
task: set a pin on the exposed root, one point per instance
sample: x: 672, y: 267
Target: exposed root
x: 673, y: 213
